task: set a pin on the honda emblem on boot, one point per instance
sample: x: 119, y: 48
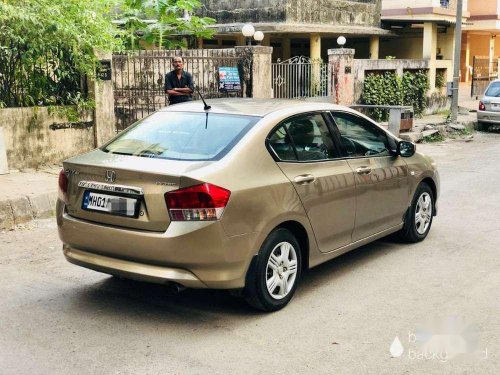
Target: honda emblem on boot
x: 110, y: 176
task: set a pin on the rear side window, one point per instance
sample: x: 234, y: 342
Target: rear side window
x: 304, y: 138
x: 493, y: 90
x: 280, y: 143
x: 183, y: 136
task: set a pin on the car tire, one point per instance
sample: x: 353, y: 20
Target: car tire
x: 482, y: 126
x: 418, y: 218
x: 275, y: 272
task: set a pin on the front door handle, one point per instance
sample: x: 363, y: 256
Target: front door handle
x: 304, y: 179
x: 363, y: 170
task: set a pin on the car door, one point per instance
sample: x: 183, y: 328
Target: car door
x: 305, y: 151
x: 381, y: 177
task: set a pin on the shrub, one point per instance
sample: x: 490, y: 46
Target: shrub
x: 415, y: 88
x: 390, y: 89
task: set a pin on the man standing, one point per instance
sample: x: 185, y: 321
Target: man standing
x: 179, y: 83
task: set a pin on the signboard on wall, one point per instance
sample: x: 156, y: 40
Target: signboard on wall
x: 104, y: 70
x: 229, y: 79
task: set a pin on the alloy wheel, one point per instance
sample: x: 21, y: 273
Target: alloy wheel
x: 281, y: 271
x: 423, y: 213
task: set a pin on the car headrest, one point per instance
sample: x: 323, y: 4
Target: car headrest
x: 302, y: 132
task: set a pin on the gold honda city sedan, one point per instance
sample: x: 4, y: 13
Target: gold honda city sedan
x: 245, y: 195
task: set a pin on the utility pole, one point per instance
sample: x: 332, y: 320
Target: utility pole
x: 456, y: 62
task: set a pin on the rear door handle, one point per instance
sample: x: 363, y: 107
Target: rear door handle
x: 363, y: 170
x: 304, y: 179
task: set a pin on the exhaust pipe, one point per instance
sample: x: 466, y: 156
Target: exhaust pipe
x: 175, y: 288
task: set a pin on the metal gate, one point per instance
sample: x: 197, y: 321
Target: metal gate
x: 138, y: 79
x: 300, y: 77
x: 483, y: 72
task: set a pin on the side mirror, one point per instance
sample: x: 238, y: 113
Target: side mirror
x: 406, y: 149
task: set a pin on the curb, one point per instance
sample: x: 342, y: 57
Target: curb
x: 25, y: 209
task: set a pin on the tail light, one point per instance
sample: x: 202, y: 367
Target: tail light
x: 63, y: 182
x: 482, y: 106
x: 204, y: 202
x: 63, y: 185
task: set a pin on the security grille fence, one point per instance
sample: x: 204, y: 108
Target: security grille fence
x: 139, y: 78
x: 300, y: 77
x: 483, y: 72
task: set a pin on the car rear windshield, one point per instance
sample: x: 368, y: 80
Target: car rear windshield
x: 182, y: 136
x: 493, y: 89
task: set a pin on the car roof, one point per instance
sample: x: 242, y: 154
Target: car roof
x: 252, y: 106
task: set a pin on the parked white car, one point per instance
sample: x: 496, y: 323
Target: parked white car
x: 489, y: 107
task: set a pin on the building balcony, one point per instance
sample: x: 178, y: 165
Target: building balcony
x: 422, y: 10
x: 484, y: 16
x: 481, y: 9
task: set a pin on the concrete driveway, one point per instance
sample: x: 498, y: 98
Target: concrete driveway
x: 439, y: 298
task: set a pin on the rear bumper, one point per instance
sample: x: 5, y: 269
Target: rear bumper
x: 195, y: 254
x: 488, y: 116
x: 132, y: 270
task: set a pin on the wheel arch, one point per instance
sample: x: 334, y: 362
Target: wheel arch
x: 429, y: 181
x: 253, y: 287
x: 300, y: 233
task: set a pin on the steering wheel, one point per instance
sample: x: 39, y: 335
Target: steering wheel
x: 349, y: 145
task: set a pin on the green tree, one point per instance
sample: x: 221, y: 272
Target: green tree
x: 46, y: 46
x: 161, y: 22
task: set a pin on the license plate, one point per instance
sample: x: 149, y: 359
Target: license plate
x: 111, y: 204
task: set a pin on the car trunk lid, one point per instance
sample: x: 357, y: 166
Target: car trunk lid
x: 139, y: 182
x: 491, y: 103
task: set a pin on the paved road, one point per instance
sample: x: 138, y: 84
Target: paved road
x: 56, y: 318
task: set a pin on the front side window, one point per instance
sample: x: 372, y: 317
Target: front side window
x: 304, y: 138
x: 183, y: 136
x: 359, y: 136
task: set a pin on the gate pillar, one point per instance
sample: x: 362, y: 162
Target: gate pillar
x: 341, y: 66
x: 256, y: 66
x: 101, y: 91
x: 4, y: 168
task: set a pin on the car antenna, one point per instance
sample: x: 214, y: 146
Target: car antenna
x: 207, y: 107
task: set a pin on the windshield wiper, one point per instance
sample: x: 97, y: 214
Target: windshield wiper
x: 119, y: 153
